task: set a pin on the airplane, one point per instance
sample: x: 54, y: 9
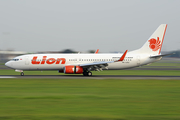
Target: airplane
x: 85, y: 63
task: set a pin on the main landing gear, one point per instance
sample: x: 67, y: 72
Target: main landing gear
x: 87, y: 73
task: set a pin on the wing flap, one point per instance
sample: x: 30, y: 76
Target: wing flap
x: 95, y: 63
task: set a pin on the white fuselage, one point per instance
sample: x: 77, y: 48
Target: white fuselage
x: 59, y: 61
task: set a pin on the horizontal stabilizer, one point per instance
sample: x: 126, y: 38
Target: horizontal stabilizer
x: 157, y: 56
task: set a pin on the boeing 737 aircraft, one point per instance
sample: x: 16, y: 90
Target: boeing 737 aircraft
x: 85, y: 63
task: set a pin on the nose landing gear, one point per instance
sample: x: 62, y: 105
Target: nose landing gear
x: 22, y: 74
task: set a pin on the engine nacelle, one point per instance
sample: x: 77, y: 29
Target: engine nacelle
x: 73, y: 70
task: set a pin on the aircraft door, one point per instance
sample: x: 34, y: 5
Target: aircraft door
x: 138, y: 60
x: 26, y: 60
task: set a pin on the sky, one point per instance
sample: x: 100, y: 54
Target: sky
x: 82, y: 25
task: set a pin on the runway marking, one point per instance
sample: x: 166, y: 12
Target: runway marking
x: 7, y: 77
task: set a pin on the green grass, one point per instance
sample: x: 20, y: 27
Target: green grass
x: 162, y: 64
x: 108, y: 99
x: 2, y: 63
x: 139, y: 72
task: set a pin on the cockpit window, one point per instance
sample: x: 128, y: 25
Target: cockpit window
x: 15, y: 59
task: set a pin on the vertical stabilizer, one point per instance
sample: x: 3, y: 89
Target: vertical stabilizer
x: 154, y: 43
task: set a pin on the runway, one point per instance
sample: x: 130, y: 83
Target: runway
x: 129, y: 77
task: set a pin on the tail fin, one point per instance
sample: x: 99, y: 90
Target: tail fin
x: 154, y: 43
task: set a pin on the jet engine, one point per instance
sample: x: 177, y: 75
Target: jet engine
x: 73, y: 70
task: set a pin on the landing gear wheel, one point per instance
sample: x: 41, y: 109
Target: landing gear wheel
x: 22, y: 74
x: 85, y: 73
x: 89, y: 73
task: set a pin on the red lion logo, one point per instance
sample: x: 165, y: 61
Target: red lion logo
x: 154, y: 44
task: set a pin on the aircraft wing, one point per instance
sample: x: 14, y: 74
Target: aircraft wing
x: 97, y: 65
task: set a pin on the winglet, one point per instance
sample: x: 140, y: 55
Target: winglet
x: 122, y: 57
x: 96, y: 51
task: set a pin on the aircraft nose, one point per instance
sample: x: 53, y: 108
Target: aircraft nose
x: 8, y: 64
